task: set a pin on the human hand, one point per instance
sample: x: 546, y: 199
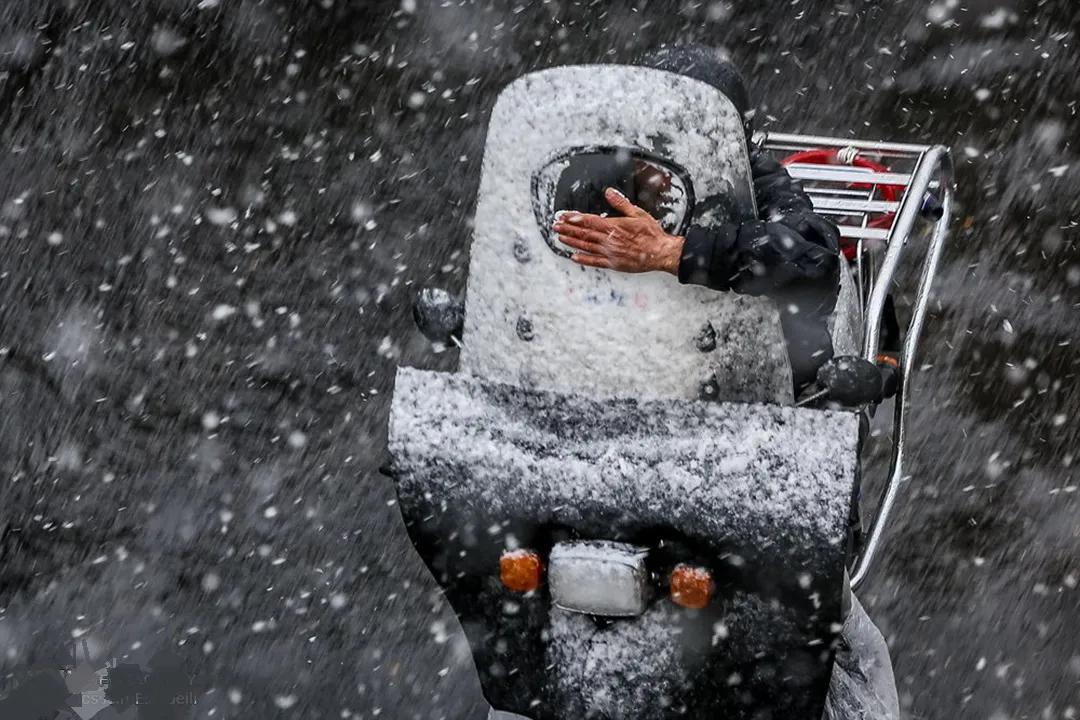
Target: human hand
x: 635, y: 243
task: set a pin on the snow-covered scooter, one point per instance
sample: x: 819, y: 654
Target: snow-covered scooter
x: 627, y: 510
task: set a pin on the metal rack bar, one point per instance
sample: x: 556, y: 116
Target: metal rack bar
x: 932, y: 163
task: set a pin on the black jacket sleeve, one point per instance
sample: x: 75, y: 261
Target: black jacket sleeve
x: 789, y: 253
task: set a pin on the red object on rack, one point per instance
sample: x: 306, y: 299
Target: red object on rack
x: 832, y: 157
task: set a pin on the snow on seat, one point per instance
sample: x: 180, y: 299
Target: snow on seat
x: 758, y: 494
x: 577, y: 415
x: 534, y: 318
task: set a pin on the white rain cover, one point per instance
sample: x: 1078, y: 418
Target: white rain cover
x: 846, y: 324
x: 601, y: 333
x: 862, y: 684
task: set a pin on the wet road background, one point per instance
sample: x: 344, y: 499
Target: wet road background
x: 212, y: 215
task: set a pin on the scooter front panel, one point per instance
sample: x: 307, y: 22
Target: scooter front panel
x: 535, y: 318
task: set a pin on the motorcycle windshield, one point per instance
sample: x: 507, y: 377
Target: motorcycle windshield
x: 576, y: 182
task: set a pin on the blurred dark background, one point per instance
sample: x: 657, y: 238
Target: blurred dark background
x: 213, y: 214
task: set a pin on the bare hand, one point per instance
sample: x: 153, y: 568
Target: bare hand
x: 634, y: 244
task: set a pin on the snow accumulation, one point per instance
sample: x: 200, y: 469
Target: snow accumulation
x: 583, y: 322
x: 773, y: 469
x: 629, y: 665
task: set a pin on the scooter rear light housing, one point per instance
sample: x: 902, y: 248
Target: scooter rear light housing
x: 521, y: 570
x: 691, y: 587
x: 599, y: 578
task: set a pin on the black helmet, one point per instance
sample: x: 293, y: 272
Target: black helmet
x: 706, y: 64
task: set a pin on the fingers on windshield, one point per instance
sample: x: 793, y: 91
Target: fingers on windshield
x: 620, y: 203
x: 592, y: 261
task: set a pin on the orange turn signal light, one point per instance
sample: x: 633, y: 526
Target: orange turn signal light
x: 691, y: 587
x: 520, y: 570
x: 888, y: 360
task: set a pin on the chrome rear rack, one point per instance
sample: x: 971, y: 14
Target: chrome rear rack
x: 902, y: 181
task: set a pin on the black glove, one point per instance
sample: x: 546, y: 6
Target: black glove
x: 850, y: 381
x: 853, y: 381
